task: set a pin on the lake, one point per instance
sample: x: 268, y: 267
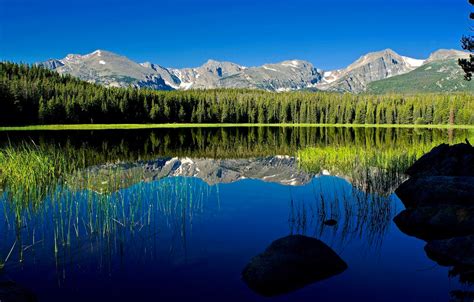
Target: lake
x: 176, y: 214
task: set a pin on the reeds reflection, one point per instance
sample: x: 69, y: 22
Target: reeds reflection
x: 359, y: 215
x: 105, y: 201
x: 85, y: 226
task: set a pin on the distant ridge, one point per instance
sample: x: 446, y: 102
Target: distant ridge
x: 368, y: 73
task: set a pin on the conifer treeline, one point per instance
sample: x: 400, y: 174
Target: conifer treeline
x: 34, y: 95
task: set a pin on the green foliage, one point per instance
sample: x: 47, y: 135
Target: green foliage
x: 467, y: 43
x: 29, y: 172
x: 374, y: 164
x: 31, y: 95
x: 433, y: 77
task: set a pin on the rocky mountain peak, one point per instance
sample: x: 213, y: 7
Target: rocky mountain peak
x: 447, y: 54
x: 296, y: 64
x: 371, y: 67
x: 110, y: 69
x: 221, y: 68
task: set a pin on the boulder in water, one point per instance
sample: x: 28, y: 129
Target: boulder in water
x: 439, y: 222
x: 457, y: 251
x: 290, y: 263
x: 436, y: 190
x: 456, y: 160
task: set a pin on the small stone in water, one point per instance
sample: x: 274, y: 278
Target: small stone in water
x: 330, y: 222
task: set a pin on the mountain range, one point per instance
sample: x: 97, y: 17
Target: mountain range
x: 377, y: 72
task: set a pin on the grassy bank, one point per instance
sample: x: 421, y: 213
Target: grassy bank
x: 195, y: 125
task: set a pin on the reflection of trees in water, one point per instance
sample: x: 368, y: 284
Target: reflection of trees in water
x: 84, y: 227
x: 232, y: 142
x: 359, y: 215
x: 42, y: 215
x: 375, y: 160
x: 372, y: 158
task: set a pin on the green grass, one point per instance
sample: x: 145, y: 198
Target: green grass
x: 29, y: 173
x: 434, y: 77
x: 157, y: 126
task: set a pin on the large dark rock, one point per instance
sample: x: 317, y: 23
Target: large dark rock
x: 458, y: 251
x: 436, y: 190
x: 12, y: 292
x: 445, y: 160
x: 440, y: 222
x: 439, y: 197
x: 290, y: 263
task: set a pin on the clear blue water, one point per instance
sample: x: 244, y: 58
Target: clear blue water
x: 180, y: 238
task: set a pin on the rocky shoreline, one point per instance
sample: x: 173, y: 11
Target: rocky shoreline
x: 439, y: 201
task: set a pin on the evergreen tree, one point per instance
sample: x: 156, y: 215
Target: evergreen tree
x: 468, y: 44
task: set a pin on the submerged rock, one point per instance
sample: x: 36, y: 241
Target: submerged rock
x: 440, y: 222
x: 290, y: 263
x: 330, y: 222
x: 12, y: 292
x: 436, y: 190
x: 456, y: 160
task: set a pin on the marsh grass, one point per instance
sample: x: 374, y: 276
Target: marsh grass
x: 54, y: 195
x: 371, y: 169
x: 4, y: 262
x: 29, y: 173
x: 71, y: 222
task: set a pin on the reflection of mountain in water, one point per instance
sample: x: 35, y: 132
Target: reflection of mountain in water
x: 277, y: 169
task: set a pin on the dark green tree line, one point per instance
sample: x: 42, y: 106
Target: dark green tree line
x: 33, y: 95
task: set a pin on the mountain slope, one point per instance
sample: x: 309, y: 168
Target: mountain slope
x: 435, y: 76
x: 206, y: 76
x: 446, y: 54
x: 371, y: 67
x: 284, y: 76
x: 109, y: 69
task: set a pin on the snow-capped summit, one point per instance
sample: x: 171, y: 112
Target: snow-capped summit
x: 110, y: 69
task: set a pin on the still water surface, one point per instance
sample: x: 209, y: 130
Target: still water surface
x: 176, y: 214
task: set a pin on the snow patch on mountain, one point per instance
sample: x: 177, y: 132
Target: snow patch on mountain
x: 415, y: 63
x: 269, y: 68
x: 171, y: 85
x: 185, y: 86
x: 292, y: 63
x: 284, y: 76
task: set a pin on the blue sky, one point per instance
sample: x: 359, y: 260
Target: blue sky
x: 185, y: 33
